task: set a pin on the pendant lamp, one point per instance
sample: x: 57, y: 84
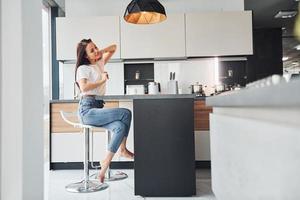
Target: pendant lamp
x: 145, y: 12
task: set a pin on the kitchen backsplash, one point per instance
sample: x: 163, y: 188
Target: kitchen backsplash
x: 187, y: 72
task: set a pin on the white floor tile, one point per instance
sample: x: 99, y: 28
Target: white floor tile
x: 55, y: 182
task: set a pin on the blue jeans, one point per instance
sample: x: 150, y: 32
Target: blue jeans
x: 116, y: 120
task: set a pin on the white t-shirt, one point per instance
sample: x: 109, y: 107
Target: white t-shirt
x: 92, y: 73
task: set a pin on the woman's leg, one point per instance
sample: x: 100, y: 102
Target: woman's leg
x: 100, y: 117
x: 123, y: 151
x: 105, y: 164
x: 117, y: 130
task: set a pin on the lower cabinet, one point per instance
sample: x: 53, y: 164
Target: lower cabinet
x: 69, y: 147
x: 202, y: 146
x: 67, y: 143
x: 202, y: 137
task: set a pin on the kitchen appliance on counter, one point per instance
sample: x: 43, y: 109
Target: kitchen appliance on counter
x: 153, y: 88
x: 197, y: 89
x: 135, y: 89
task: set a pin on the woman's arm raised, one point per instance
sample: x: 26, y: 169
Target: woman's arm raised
x: 108, y: 52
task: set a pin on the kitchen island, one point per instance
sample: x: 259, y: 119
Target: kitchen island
x: 164, y: 148
x: 255, y: 142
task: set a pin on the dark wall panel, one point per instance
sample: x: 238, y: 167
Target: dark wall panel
x: 267, y: 57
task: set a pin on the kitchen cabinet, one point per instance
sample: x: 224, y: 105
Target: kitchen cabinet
x: 255, y: 143
x: 201, y: 115
x: 219, y: 33
x: 66, y: 142
x: 164, y: 147
x: 163, y: 40
x: 104, y: 31
x: 267, y: 57
x: 201, y: 127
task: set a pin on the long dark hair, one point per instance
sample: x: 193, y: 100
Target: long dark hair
x: 81, y: 56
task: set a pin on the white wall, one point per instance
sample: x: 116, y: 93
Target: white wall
x: 21, y: 107
x: 117, y: 7
x: 187, y: 73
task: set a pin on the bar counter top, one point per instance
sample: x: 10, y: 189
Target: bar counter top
x: 131, y: 97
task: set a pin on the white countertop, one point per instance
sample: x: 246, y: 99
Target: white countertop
x: 285, y: 94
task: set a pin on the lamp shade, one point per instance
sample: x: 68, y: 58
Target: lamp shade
x: 145, y: 12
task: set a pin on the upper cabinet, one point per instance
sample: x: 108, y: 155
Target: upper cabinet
x: 162, y: 40
x: 219, y: 33
x: 104, y: 31
x: 181, y: 35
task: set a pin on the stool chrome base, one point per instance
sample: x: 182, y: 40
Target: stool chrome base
x: 112, y: 177
x: 86, y: 186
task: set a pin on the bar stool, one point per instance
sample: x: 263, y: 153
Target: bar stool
x: 87, y: 185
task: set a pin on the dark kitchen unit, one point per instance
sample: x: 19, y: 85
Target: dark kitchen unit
x: 138, y: 74
x: 267, y: 54
x: 265, y: 61
x: 164, y: 161
x: 232, y: 73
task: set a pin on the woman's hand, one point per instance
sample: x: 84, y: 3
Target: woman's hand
x: 104, y: 76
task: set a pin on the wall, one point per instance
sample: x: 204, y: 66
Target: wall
x: 76, y: 8
x: 21, y: 107
x: 187, y: 73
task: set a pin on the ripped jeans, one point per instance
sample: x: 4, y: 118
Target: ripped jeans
x: 116, y: 120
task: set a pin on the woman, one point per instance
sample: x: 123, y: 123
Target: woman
x: 91, y: 79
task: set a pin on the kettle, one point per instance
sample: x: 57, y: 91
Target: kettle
x: 153, y: 88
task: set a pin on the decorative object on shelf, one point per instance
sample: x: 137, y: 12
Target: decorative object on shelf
x: 145, y: 12
x: 137, y: 74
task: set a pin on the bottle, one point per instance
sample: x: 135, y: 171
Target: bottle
x: 137, y: 74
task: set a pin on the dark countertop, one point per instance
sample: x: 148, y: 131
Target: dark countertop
x: 131, y: 97
x: 285, y: 94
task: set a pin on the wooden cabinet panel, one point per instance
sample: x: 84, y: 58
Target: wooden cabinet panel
x: 201, y: 115
x: 58, y: 125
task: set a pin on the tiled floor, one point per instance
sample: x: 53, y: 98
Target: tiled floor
x: 55, y: 182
